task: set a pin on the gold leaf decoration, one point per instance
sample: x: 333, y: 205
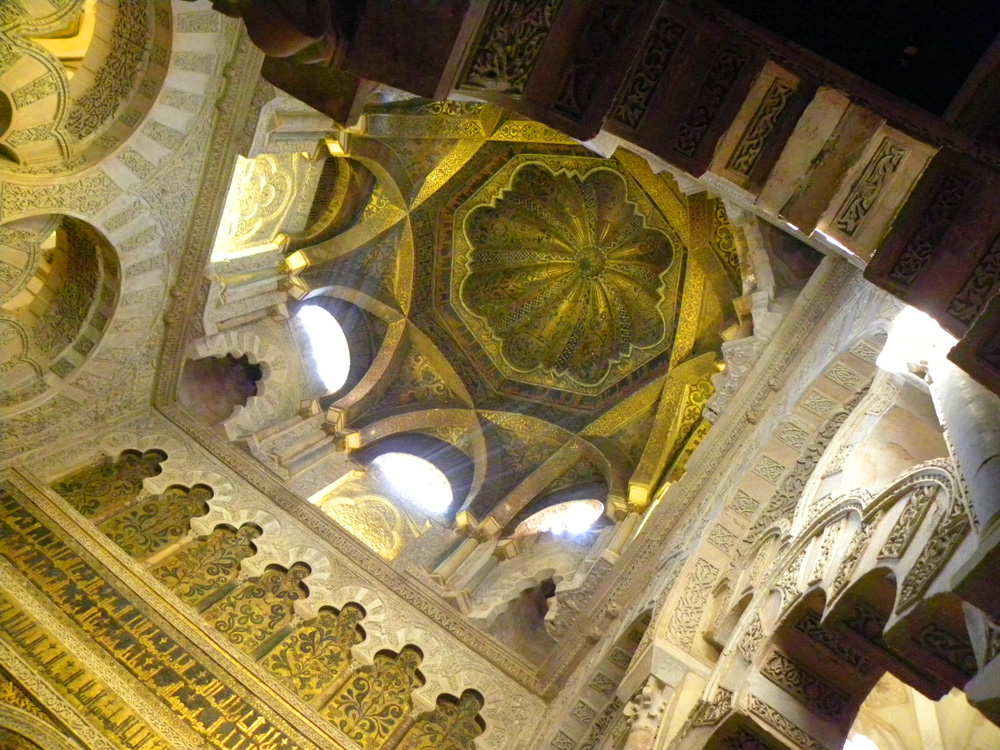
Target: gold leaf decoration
x: 252, y: 615
x: 207, y: 564
x: 377, y: 698
x: 158, y: 523
x: 316, y: 654
x: 566, y: 273
x: 108, y: 486
x: 373, y: 520
x: 454, y: 724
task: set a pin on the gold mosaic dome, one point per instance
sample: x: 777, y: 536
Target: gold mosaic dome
x: 565, y: 273
x: 563, y: 276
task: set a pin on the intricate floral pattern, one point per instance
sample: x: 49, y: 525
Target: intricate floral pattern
x: 566, y: 273
x: 205, y: 566
x: 453, y: 725
x: 146, y: 529
x: 311, y: 659
x: 374, y: 702
x: 109, y: 487
x: 254, y: 613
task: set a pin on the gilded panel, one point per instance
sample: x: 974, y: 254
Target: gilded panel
x: 370, y: 706
x: 207, y: 564
x: 316, y: 654
x: 150, y: 527
x: 453, y: 725
x: 256, y: 612
x: 99, y: 610
x: 109, y: 487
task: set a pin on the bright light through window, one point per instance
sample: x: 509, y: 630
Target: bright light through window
x: 914, y: 338
x: 860, y: 742
x: 414, y: 480
x: 572, y: 517
x: 328, y: 345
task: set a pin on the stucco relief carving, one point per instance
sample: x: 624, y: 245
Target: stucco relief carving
x: 683, y: 625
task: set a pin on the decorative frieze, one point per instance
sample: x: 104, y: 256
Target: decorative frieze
x: 877, y: 172
x: 751, y: 639
x: 972, y: 297
x: 509, y: 44
x: 603, y: 684
x: 854, y: 550
x: 906, y: 525
x: 658, y: 49
x: 583, y: 712
x: 595, y: 47
x: 827, y: 542
x: 722, y: 538
x: 710, y: 713
x: 722, y: 76
x: 745, y: 505
x: 810, y: 626
x: 948, y: 648
x: 769, y: 469
x: 939, y: 548
x: 784, y: 725
x: 788, y: 581
x: 866, y: 351
x: 934, y: 224
x: 608, y: 716
x: 818, y: 403
x: 760, y: 128
x: 844, y: 376
x: 683, y: 625
x: 793, y: 435
x: 836, y: 462
x: 802, y: 685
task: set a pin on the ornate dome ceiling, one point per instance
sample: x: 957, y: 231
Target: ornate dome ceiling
x: 559, y: 277
x: 565, y: 279
x: 552, y: 315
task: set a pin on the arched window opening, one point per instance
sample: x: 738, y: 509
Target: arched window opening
x: 328, y: 346
x: 568, y: 518
x: 858, y: 741
x: 211, y: 388
x: 915, y: 338
x: 522, y: 625
x: 337, y: 343
x: 414, y: 481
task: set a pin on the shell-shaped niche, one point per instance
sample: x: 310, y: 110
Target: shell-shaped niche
x: 59, y: 284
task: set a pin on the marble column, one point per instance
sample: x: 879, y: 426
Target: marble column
x: 971, y: 417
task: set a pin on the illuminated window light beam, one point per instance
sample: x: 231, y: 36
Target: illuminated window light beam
x: 415, y: 481
x: 328, y: 345
x: 571, y: 517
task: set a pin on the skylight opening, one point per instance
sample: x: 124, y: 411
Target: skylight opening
x: 914, y: 340
x: 570, y: 518
x: 860, y: 742
x: 328, y: 345
x: 415, y: 481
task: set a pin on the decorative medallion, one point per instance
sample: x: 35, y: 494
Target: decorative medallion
x: 560, y: 276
